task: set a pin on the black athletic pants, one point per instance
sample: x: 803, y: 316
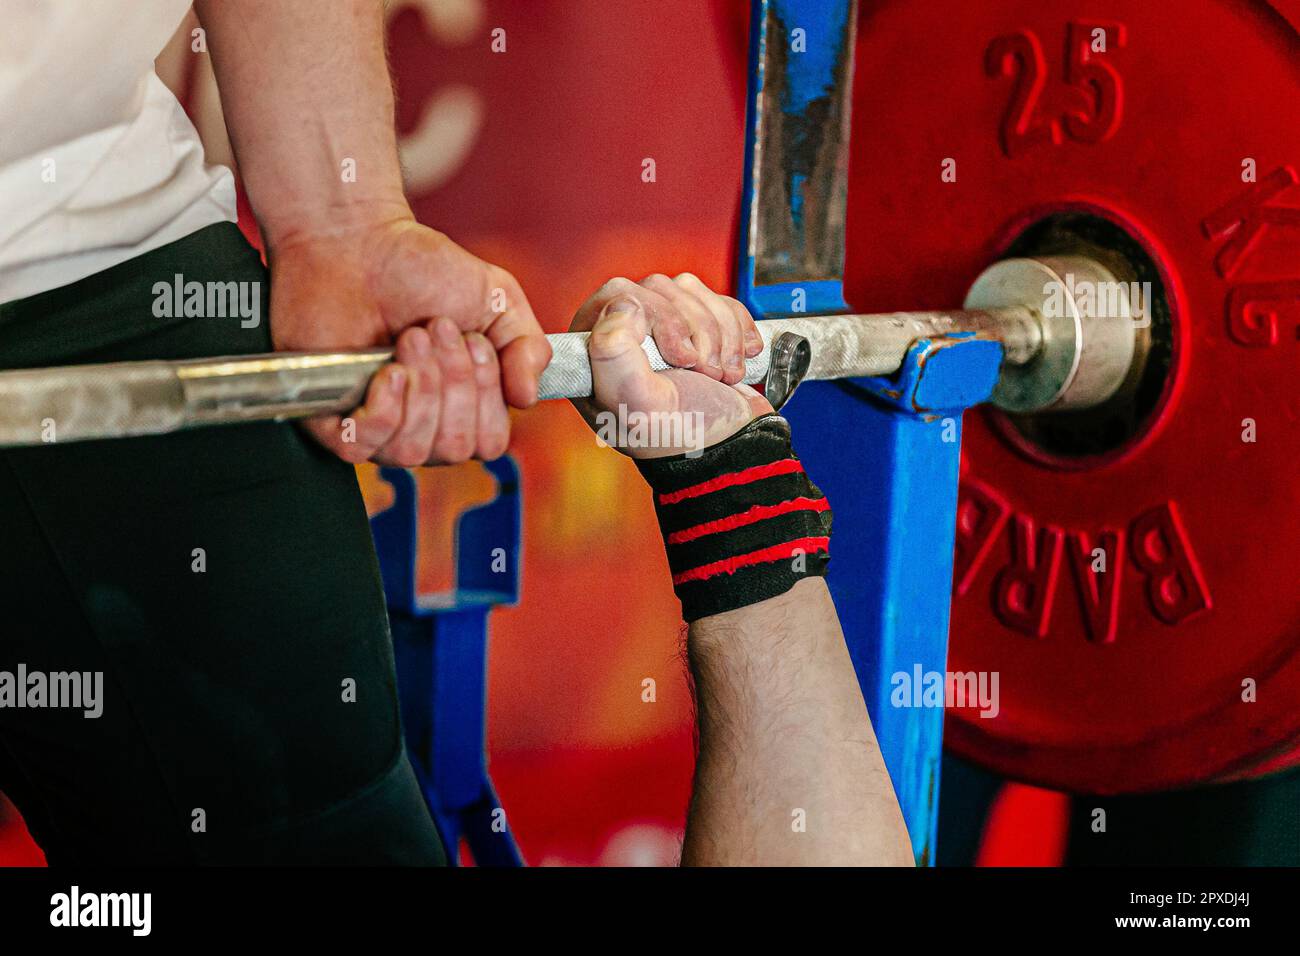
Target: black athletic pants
x: 224, y: 583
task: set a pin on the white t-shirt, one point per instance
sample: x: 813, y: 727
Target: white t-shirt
x: 98, y: 162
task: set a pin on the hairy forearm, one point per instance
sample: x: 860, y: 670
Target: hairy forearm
x: 305, y: 89
x: 789, y: 772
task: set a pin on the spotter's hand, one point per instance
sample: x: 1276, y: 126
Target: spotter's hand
x: 465, y: 339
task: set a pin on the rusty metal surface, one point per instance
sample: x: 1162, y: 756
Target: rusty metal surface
x: 799, y: 201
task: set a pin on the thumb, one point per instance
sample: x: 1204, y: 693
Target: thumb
x: 618, y: 363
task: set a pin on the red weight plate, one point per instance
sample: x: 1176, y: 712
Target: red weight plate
x: 1132, y: 679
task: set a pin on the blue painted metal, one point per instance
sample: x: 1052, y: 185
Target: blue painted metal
x: 820, y: 297
x: 440, y: 646
x: 799, y: 273
x: 886, y: 451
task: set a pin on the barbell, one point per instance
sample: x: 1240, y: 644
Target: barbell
x: 1058, y: 353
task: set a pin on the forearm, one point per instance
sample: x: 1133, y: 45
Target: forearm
x: 789, y: 772
x: 305, y: 88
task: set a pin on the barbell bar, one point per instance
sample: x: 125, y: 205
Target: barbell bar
x: 1045, y: 355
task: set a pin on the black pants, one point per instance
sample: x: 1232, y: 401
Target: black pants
x: 224, y: 582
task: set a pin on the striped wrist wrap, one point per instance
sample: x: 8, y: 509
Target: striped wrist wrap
x: 741, y: 522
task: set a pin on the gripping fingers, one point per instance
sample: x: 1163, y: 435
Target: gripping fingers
x: 705, y: 330
x: 671, y: 330
x: 409, y: 445
x: 733, y: 346
x: 458, y: 423
x: 748, y: 327
x: 517, y: 336
x: 357, y: 437
x: 493, y: 420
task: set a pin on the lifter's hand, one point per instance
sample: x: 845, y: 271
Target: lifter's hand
x: 694, y: 328
x: 465, y: 337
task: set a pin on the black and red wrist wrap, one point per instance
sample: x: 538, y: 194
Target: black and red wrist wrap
x: 741, y: 521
